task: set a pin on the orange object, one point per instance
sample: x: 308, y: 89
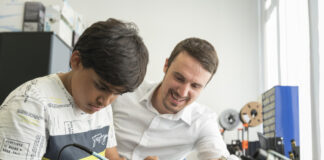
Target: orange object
x: 245, y: 124
x: 245, y: 144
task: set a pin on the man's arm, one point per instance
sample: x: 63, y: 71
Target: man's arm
x: 210, y: 143
x: 152, y: 158
x: 112, y: 154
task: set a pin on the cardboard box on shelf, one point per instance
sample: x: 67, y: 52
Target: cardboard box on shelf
x: 56, y: 23
x: 34, y: 17
x: 60, y: 18
x: 11, y: 15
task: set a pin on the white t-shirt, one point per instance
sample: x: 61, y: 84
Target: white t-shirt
x: 142, y: 131
x: 40, y: 117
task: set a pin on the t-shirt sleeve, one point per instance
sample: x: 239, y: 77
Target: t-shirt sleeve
x: 210, y: 143
x: 111, y: 133
x: 22, y: 128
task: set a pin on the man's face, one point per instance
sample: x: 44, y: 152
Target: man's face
x: 89, y: 91
x: 182, y: 84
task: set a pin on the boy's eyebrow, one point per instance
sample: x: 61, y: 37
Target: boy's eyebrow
x: 104, y: 85
x: 110, y: 89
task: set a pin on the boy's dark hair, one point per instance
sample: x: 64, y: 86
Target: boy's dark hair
x: 199, y: 49
x: 116, y: 53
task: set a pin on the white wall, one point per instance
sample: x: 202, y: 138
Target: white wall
x: 230, y: 25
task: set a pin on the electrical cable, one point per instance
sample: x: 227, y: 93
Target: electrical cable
x: 82, y: 148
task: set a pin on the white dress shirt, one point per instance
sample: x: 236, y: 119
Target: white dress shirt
x: 142, y: 131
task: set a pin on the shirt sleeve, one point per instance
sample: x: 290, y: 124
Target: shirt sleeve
x: 111, y: 134
x: 22, y: 128
x: 210, y: 143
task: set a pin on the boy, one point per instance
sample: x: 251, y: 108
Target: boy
x: 45, y: 114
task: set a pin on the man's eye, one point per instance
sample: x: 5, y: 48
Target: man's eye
x: 179, y: 79
x: 195, y: 86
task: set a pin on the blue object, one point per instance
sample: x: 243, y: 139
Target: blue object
x: 98, y: 156
x: 281, y: 115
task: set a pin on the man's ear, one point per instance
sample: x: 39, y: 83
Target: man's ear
x: 165, y: 68
x: 75, y: 60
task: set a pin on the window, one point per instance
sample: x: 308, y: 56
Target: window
x: 320, y: 71
x: 286, y: 52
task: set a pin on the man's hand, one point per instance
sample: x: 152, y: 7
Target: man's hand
x: 112, y: 154
x: 231, y: 157
x: 152, y: 158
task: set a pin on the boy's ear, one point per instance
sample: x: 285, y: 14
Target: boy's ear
x: 75, y: 60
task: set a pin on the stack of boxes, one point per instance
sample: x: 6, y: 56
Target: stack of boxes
x: 281, y: 115
x: 11, y: 15
x: 66, y: 23
x: 34, y: 17
x: 57, y: 17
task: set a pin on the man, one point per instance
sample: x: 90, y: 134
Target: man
x: 43, y: 116
x: 163, y: 121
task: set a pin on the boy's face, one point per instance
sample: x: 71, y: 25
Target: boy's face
x: 89, y: 91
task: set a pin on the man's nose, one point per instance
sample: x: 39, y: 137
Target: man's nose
x: 183, y: 90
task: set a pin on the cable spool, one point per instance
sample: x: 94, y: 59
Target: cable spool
x: 229, y: 119
x: 251, y: 114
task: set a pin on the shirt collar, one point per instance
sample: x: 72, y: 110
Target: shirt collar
x: 148, y: 95
x: 184, y: 114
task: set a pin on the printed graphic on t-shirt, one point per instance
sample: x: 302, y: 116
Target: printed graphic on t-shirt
x: 95, y: 140
x: 14, y: 147
x: 37, y: 147
x: 29, y: 118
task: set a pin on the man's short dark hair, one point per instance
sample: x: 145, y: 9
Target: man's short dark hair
x: 115, y: 51
x: 199, y: 49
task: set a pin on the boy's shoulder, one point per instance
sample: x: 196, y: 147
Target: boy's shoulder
x: 39, y: 89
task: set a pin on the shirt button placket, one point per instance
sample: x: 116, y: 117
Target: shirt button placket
x: 144, y: 140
